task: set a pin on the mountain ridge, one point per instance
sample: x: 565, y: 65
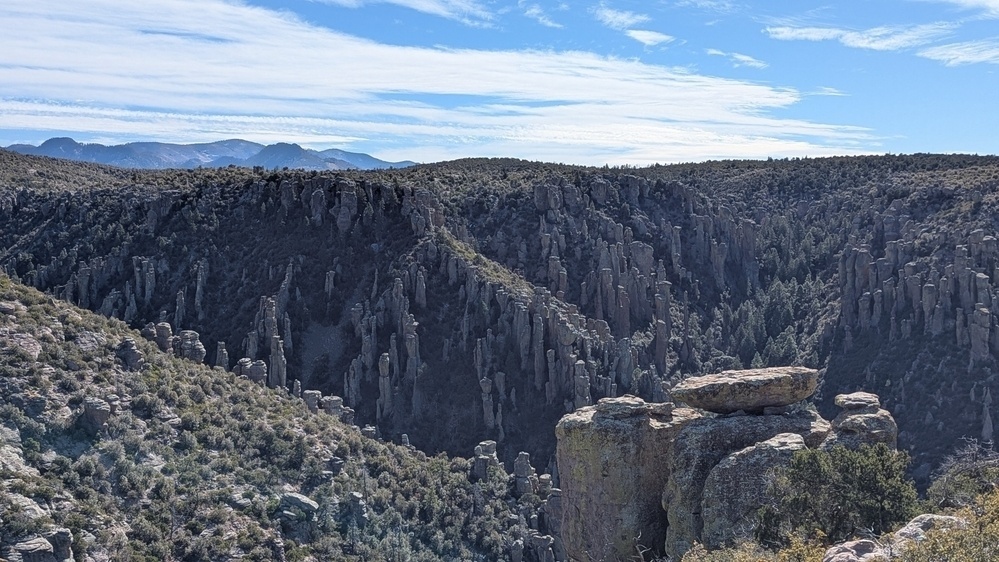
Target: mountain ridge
x: 218, y: 154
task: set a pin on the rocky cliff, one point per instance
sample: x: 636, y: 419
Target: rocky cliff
x: 483, y: 299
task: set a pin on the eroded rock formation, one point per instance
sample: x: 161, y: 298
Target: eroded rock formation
x: 709, y: 470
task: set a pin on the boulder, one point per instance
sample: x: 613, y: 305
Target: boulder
x: 700, y: 446
x: 736, y: 489
x: 749, y: 390
x: 61, y: 540
x: 855, y: 551
x: 915, y: 530
x: 610, y: 458
x: 300, y: 502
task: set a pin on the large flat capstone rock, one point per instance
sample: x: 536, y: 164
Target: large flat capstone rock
x: 749, y: 390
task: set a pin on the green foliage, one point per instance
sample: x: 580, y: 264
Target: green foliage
x: 837, y: 492
x: 195, y: 461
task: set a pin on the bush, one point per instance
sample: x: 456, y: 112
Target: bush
x: 830, y: 494
x: 970, y: 472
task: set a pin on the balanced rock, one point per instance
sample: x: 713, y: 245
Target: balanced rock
x: 95, y: 415
x: 862, y: 422
x: 749, y: 390
x: 611, y: 460
x: 858, y: 401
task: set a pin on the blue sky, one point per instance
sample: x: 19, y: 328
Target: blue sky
x: 592, y: 82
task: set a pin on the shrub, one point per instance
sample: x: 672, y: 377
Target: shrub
x: 833, y: 493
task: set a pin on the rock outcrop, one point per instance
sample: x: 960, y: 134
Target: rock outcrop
x: 609, y: 490
x: 701, y: 445
x: 130, y: 356
x: 736, y: 488
x: 711, y: 471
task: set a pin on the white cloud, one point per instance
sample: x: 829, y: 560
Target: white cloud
x: 739, y: 59
x: 648, y: 38
x: 201, y: 70
x: 828, y: 91
x: 989, y: 7
x: 884, y: 38
x: 787, y: 33
x: 537, y: 13
x: 969, y: 52
x: 618, y: 19
x: 723, y: 6
x: 467, y: 11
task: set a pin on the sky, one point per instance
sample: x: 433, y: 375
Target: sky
x: 593, y: 82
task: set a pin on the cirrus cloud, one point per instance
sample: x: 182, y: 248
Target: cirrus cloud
x: 200, y: 70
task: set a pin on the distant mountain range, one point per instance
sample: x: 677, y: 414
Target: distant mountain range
x: 159, y: 155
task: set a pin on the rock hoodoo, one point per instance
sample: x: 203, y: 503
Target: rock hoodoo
x: 668, y: 478
x: 862, y: 421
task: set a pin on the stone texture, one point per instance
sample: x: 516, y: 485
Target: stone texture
x: 701, y: 445
x: 609, y: 491
x: 736, y: 489
x: 748, y: 390
x: 857, y: 401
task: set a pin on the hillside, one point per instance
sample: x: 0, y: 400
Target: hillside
x: 483, y: 299
x: 114, y: 450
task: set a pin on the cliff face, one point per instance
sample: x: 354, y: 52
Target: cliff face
x: 617, y: 459
x: 482, y: 300
x: 610, y: 459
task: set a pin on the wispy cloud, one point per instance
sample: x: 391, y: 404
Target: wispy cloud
x: 884, y: 38
x: 723, y: 6
x: 968, y: 52
x: 626, y: 21
x: 201, y: 70
x: 989, y: 7
x: 649, y: 38
x: 827, y: 91
x: 466, y: 11
x: 538, y: 14
x: 739, y: 59
x: 618, y: 19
